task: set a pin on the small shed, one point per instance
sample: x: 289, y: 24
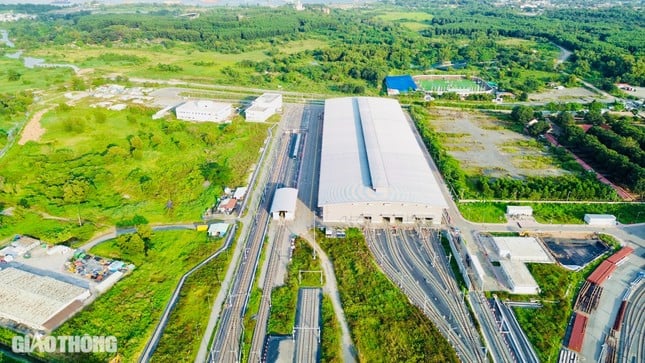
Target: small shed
x: 519, y: 210
x: 600, y: 219
x: 284, y: 203
x: 240, y: 193
x: 217, y: 229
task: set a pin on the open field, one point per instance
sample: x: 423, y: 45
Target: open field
x: 576, y: 94
x: 188, y: 321
x: 483, y: 145
x: 447, y: 85
x: 29, y: 78
x: 127, y: 164
x: 371, y: 301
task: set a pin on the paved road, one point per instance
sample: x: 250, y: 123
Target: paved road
x: 307, y: 330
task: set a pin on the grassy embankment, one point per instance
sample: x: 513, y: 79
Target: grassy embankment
x: 372, y: 302
x: 188, y: 321
x: 553, y: 213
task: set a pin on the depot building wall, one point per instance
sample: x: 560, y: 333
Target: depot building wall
x: 381, y: 212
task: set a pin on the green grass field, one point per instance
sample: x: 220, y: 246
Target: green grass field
x: 447, y: 85
x: 133, y: 165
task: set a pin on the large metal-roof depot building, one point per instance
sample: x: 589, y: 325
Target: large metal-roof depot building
x: 372, y: 167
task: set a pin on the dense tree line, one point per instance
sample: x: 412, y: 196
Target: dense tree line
x: 567, y: 187
x: 625, y: 128
x: 623, y: 145
x: 618, y: 167
x: 607, y: 43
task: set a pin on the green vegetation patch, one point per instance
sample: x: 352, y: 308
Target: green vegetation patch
x: 102, y: 166
x: 371, y: 302
x: 284, y: 298
x: 131, y: 309
x: 187, y: 324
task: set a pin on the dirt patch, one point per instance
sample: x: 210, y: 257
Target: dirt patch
x: 575, y: 94
x: 483, y: 145
x: 33, y: 130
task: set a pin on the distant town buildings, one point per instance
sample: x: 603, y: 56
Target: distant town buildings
x: 204, y: 111
x: 7, y: 17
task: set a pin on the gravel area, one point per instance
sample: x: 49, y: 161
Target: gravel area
x: 482, y: 145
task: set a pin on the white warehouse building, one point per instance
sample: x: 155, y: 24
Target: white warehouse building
x: 264, y: 107
x: 204, y: 111
x: 372, y: 167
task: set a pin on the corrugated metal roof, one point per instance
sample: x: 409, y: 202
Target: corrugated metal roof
x: 370, y: 154
x: 618, y: 256
x: 578, y: 332
x: 401, y: 83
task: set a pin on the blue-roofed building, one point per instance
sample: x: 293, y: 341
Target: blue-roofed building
x: 399, y: 84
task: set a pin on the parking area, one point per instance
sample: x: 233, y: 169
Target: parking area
x: 575, y: 253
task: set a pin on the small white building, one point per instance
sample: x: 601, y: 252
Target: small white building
x: 240, y: 193
x: 600, y: 219
x: 284, y: 204
x: 217, y: 229
x: 264, y: 107
x: 519, y: 210
x: 204, y: 111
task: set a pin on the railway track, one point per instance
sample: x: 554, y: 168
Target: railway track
x: 420, y: 274
x: 227, y: 345
x: 307, y: 330
x: 262, y: 318
x: 632, y: 341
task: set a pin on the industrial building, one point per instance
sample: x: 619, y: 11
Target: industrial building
x: 372, y: 167
x: 37, y: 302
x: 519, y: 278
x: 264, y: 107
x: 204, y: 111
x: 600, y: 219
x: 525, y: 249
x: 513, y: 253
x: 284, y: 204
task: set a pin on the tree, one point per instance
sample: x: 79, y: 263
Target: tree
x: 538, y: 128
x: 75, y: 191
x: 522, y: 114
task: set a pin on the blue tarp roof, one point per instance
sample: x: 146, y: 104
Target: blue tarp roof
x: 400, y: 83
